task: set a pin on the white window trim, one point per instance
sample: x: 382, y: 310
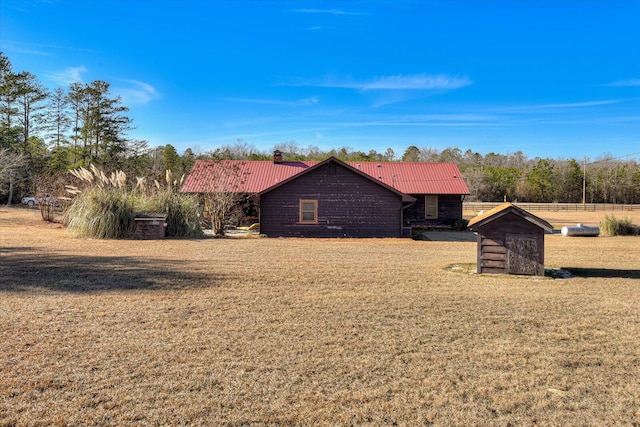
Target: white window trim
x: 315, y: 211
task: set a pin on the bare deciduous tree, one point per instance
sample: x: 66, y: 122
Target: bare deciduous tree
x: 10, y: 163
x: 223, y: 195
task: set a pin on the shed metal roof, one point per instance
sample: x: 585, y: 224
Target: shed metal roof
x: 503, y: 209
x: 254, y: 176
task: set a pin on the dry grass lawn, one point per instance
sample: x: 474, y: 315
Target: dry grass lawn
x: 306, y: 332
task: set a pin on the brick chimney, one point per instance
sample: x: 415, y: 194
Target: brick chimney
x: 277, y: 157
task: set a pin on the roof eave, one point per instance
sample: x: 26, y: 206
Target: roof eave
x: 502, y: 210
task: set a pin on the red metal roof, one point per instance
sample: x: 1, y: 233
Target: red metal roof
x: 417, y: 177
x: 254, y: 176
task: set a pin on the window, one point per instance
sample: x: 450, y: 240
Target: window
x: 308, y: 211
x: 431, y: 206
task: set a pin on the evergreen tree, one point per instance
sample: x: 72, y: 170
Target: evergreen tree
x: 172, y: 159
x: 77, y: 102
x: 105, y: 125
x: 411, y: 154
x: 100, y: 125
x: 57, y: 118
x: 57, y: 123
x: 30, y: 103
x: 541, y: 182
x: 188, y: 159
x: 9, y: 133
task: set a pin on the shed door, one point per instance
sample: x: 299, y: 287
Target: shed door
x: 522, y: 254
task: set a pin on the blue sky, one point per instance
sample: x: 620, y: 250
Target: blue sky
x: 555, y: 79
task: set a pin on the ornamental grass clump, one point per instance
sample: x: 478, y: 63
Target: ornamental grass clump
x: 106, y: 207
x: 101, y: 213
x: 611, y: 226
x: 183, y: 211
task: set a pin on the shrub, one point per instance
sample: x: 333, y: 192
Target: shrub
x: 106, y: 207
x: 47, y: 208
x: 101, y: 213
x: 183, y: 212
x: 611, y: 226
x: 461, y: 224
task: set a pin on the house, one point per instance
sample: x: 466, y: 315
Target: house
x: 510, y: 241
x: 337, y: 199
x: 331, y: 199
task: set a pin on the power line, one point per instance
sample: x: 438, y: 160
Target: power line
x: 614, y: 158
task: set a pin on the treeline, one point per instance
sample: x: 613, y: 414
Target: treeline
x: 44, y: 134
x: 491, y: 177
x: 515, y: 177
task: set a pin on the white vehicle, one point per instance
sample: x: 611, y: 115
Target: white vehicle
x: 30, y: 201
x: 33, y: 201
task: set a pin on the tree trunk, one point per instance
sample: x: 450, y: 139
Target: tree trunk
x: 10, y: 198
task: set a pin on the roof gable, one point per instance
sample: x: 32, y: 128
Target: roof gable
x: 405, y: 197
x: 254, y: 176
x: 504, y: 209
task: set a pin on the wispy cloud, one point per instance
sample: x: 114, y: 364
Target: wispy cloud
x: 403, y: 123
x: 325, y: 11
x: 538, y: 107
x: 429, y: 120
x: 418, y: 81
x: 624, y: 83
x: 300, y: 103
x: 467, y: 117
x: 397, y: 82
x: 321, y: 128
x: 249, y: 123
x: 579, y: 104
x: 42, y: 49
x: 137, y: 93
x: 27, y: 48
x: 222, y: 139
x: 68, y: 75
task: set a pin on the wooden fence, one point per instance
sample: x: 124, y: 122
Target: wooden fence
x: 553, y: 207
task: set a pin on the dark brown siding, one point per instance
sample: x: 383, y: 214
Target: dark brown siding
x: 501, y: 244
x: 449, y: 211
x: 349, y: 205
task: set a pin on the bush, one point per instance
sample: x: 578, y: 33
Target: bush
x: 106, y: 207
x: 611, y: 226
x: 101, y: 213
x: 183, y: 212
x: 461, y: 224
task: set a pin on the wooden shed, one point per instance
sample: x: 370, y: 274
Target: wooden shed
x: 510, y: 241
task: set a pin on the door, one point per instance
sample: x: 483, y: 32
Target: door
x: 522, y: 254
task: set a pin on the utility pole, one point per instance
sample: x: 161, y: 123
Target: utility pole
x: 584, y: 180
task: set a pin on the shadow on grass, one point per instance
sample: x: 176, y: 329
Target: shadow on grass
x: 79, y: 274
x: 603, y: 272
x: 446, y: 236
